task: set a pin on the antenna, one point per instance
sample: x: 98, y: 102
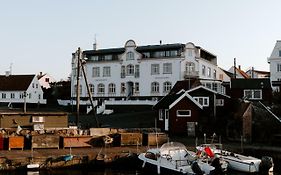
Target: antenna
x: 95, y: 43
x: 11, y: 66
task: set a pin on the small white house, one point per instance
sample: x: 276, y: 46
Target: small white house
x: 275, y: 66
x: 20, y: 88
x: 45, y: 80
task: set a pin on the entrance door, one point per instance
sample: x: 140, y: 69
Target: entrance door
x: 166, y: 120
x: 191, y: 128
x: 130, y: 89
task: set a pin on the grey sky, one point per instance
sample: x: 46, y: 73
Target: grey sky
x: 40, y: 35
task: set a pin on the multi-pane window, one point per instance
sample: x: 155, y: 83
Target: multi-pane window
x: 123, y: 72
x: 215, y: 86
x: 253, y: 94
x: 189, y: 67
x: 204, y: 101
x: 215, y: 74
x: 137, y: 71
x: 278, y: 67
x: 203, y: 70
x: 130, y: 69
x: 130, y: 56
x: 167, y: 86
x: 92, y: 88
x: 106, y: 71
x: 155, y: 87
x: 3, y: 95
x: 12, y: 95
x: 111, y: 88
x: 39, y: 96
x: 161, y: 113
x: 96, y: 72
x: 167, y: 68
x: 123, y: 88
x: 183, y: 113
x: 137, y: 87
x: 101, y: 88
x: 209, y: 72
x: 155, y: 69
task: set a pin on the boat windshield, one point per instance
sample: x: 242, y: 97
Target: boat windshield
x: 176, y: 150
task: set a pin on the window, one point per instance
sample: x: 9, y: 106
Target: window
x: 95, y: 58
x: 209, y: 72
x: 220, y: 102
x: 204, y: 101
x: 12, y: 95
x: 101, y: 88
x: 221, y: 77
x: 215, y: 74
x: 123, y: 72
x: 39, y: 96
x: 130, y: 70
x: 92, y: 88
x: 108, y: 57
x: 167, y: 68
x: 3, y: 95
x: 215, y: 87
x: 279, y: 53
x: 137, y: 71
x: 106, y: 71
x: 36, y: 86
x: 155, y: 69
x: 29, y: 95
x: 155, y: 87
x: 47, y: 80
x: 96, y: 72
x: 32, y: 85
x: 189, y: 68
x: 123, y: 88
x: 111, y: 88
x: 75, y: 89
x: 183, y: 113
x: 209, y: 85
x: 203, y: 70
x: 130, y: 56
x: 190, y: 53
x: 253, y: 94
x: 161, y: 111
x: 167, y: 86
x: 137, y: 87
x: 278, y: 67
x: 146, y: 54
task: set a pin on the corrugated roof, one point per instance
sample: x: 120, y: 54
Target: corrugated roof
x: 15, y: 82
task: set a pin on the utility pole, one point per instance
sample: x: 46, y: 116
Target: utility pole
x: 234, y: 69
x: 78, y: 87
x: 24, y: 102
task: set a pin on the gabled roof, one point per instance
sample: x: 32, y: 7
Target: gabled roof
x: 207, y: 89
x: 253, y: 83
x: 15, y: 82
x: 170, y: 100
x: 185, y: 85
x: 242, y: 73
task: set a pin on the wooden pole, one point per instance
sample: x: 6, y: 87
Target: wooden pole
x: 78, y: 87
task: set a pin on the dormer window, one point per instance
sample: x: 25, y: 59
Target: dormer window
x: 130, y: 56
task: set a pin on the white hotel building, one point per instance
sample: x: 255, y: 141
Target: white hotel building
x: 143, y: 74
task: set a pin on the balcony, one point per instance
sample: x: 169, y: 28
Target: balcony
x: 193, y: 74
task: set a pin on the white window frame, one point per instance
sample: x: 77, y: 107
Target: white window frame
x: 160, y: 113
x: 155, y: 69
x: 204, y: 100
x: 251, y: 93
x: 219, y: 102
x: 101, y: 88
x: 111, y: 88
x: 106, y: 71
x: 96, y: 72
x: 203, y: 70
x: 130, y: 70
x: 209, y: 72
x: 184, y: 115
x: 137, y: 87
x: 167, y: 86
x: 154, y: 87
x: 167, y: 68
x: 130, y: 56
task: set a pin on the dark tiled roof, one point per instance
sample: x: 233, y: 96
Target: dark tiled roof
x: 165, y: 102
x: 253, y: 83
x: 139, y: 49
x: 15, y: 82
x: 185, y: 85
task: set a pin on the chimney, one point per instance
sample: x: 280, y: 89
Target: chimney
x: 239, y: 67
x: 7, y: 73
x: 95, y: 46
x: 160, y: 42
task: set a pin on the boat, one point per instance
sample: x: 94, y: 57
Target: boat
x: 174, y: 157
x: 239, y: 162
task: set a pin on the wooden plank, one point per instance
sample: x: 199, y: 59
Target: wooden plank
x: 76, y: 141
x: 45, y: 141
x: 131, y: 139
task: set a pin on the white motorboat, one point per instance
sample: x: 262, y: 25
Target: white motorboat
x: 239, y: 162
x: 173, y: 156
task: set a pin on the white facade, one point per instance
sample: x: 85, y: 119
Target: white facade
x: 143, y: 72
x: 32, y: 94
x: 45, y: 80
x: 275, y: 64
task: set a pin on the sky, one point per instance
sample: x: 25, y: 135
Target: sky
x: 41, y: 35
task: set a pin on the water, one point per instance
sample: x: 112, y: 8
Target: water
x: 107, y: 171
